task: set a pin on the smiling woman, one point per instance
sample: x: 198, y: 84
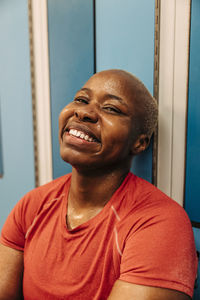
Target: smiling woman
x: 105, y: 119
x: 84, y: 235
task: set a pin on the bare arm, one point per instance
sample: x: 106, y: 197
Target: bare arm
x: 127, y: 291
x: 11, y: 273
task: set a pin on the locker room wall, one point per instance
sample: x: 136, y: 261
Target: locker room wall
x: 125, y: 41
x: 71, y: 54
x: 16, y: 106
x: 192, y: 186
x: 79, y: 46
x: 192, y: 175
x: 122, y: 40
x: 71, y: 57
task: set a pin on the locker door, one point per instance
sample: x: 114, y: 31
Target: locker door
x: 192, y: 176
x: 71, y: 56
x: 125, y: 40
x: 16, y: 106
x: 192, y: 184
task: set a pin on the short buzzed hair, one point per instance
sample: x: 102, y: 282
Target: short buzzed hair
x: 146, y: 108
x: 149, y: 109
x: 146, y: 116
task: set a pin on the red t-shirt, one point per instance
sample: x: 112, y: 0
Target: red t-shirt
x: 141, y: 236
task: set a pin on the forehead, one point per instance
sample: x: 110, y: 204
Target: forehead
x: 111, y: 83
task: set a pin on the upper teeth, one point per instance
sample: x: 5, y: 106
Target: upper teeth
x: 81, y: 135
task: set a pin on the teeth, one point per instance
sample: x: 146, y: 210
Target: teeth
x: 81, y: 135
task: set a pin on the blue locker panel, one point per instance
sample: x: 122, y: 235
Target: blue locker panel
x: 125, y: 40
x: 16, y: 105
x: 71, y: 60
x: 192, y: 186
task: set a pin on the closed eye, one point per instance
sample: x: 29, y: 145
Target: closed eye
x: 112, y: 109
x: 81, y: 100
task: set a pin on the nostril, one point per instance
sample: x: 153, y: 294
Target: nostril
x: 86, y: 116
x: 87, y: 119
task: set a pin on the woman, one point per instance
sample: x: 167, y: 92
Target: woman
x: 100, y: 232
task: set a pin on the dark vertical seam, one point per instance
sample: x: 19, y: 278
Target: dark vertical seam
x: 94, y: 33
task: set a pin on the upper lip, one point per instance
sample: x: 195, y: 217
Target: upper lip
x: 81, y: 127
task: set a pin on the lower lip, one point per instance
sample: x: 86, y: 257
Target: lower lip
x: 73, y: 140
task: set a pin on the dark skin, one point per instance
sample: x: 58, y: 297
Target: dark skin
x: 104, y: 111
x: 105, y: 107
x: 11, y: 273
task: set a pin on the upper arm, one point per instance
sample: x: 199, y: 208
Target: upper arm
x: 11, y: 273
x: 127, y: 291
x: 161, y: 252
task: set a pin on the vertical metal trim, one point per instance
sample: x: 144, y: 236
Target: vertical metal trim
x: 33, y: 89
x: 186, y: 126
x: 156, y: 87
x: 94, y: 34
x: 1, y: 146
x: 173, y: 100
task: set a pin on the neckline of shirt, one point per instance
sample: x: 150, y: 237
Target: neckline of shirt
x: 79, y: 230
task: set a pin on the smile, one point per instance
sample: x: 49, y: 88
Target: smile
x: 81, y: 135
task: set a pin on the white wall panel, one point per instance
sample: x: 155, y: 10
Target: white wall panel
x: 173, y: 79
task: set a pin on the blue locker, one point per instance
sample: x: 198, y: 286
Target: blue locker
x: 71, y: 52
x: 125, y: 40
x: 126, y: 44
x: 192, y: 176
x: 16, y: 128
x: 192, y: 183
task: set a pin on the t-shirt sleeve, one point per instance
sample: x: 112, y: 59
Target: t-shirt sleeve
x: 17, y: 223
x: 161, y: 251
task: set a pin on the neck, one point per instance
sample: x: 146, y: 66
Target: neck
x: 93, y: 190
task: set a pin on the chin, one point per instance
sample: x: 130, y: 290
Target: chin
x: 84, y: 162
x: 75, y: 160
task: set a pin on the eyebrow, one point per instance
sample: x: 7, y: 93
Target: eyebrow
x: 85, y: 90
x: 107, y: 96
x: 111, y: 96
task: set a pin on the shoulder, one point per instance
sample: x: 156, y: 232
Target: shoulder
x: 143, y: 195
x: 44, y: 193
x: 52, y: 189
x: 144, y: 204
x: 32, y: 203
x: 156, y: 239
x: 28, y: 208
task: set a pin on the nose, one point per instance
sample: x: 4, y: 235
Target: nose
x: 86, y: 114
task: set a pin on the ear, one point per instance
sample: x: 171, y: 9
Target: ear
x: 140, y: 144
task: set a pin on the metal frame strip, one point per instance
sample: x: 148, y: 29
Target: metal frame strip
x: 33, y: 88
x: 156, y: 87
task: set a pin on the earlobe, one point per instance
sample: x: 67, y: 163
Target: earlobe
x: 140, y: 144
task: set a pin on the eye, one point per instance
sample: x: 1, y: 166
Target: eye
x: 112, y: 109
x: 81, y: 100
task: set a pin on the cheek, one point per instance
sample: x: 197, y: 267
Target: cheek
x: 116, y: 129
x: 116, y: 136
x: 65, y: 114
